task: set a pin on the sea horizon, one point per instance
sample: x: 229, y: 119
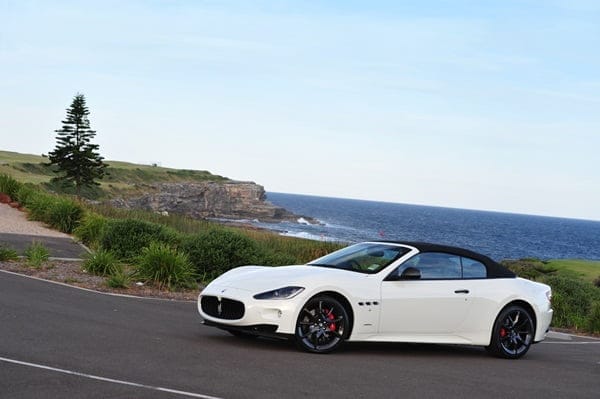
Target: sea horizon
x: 501, y: 235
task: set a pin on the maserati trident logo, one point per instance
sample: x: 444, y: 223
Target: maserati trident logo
x: 219, y: 306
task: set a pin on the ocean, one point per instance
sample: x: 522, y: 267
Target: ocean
x: 498, y: 235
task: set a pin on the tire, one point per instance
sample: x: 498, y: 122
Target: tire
x: 322, y: 325
x: 512, y: 334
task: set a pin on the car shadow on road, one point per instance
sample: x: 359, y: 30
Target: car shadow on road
x: 353, y: 348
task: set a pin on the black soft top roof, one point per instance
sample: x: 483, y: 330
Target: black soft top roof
x: 494, y: 269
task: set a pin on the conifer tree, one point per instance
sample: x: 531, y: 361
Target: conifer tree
x: 78, y: 161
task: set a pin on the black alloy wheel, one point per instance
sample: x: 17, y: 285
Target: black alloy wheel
x: 513, y: 333
x: 322, y: 325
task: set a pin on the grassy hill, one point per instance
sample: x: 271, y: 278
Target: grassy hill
x: 122, y: 178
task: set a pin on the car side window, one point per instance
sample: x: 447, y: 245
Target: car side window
x: 434, y: 266
x: 473, y: 269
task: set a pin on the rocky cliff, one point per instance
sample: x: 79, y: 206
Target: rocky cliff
x: 226, y: 200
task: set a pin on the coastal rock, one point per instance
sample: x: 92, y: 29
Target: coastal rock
x: 218, y: 200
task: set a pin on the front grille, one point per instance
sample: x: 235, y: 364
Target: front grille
x: 228, y: 309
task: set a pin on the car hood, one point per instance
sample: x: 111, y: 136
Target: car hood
x: 263, y: 278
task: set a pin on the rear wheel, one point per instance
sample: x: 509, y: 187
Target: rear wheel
x: 512, y: 334
x: 322, y: 325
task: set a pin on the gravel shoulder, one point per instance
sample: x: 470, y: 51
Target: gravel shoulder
x: 71, y: 273
x: 14, y: 221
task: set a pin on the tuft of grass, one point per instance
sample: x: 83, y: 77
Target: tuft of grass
x: 36, y: 254
x: 8, y: 185
x: 91, y: 229
x: 64, y: 214
x: 102, y: 263
x: 119, y: 279
x: 165, y: 267
x: 7, y: 254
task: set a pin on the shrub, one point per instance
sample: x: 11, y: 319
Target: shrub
x: 9, y: 186
x: 36, y: 254
x: 532, y: 269
x: 64, y: 214
x: 7, y: 254
x: 272, y: 258
x: 91, y: 229
x: 217, y: 250
x: 593, y: 321
x: 572, y: 300
x: 60, y: 213
x: 165, y: 267
x: 127, y: 237
x: 102, y: 263
x: 39, y: 205
x: 25, y: 193
x: 597, y: 281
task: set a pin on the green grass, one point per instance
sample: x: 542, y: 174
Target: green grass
x: 584, y: 269
x: 7, y: 254
x: 36, y: 254
x: 123, y: 178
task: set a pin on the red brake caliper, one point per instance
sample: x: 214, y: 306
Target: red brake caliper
x: 332, y: 326
x: 502, y: 333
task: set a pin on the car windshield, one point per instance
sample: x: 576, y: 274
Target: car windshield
x: 363, y: 258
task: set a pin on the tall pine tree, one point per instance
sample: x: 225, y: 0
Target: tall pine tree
x: 78, y: 161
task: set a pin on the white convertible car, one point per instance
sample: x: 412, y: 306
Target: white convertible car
x: 383, y: 291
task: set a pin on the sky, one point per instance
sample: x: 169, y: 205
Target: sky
x: 490, y: 105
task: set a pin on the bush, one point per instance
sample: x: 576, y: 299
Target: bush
x: 272, y: 258
x: 64, y: 214
x: 60, y: 213
x: 597, y: 281
x: 25, y: 193
x: 7, y: 254
x: 572, y: 301
x: 593, y: 321
x: 39, y: 205
x: 126, y: 238
x: 215, y: 251
x: 532, y: 269
x: 9, y: 186
x: 36, y: 254
x: 102, y: 263
x: 165, y: 267
x: 91, y: 229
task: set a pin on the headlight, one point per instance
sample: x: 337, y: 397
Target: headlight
x: 280, y: 293
x: 549, y: 295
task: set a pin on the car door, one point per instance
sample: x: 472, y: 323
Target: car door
x: 435, y: 303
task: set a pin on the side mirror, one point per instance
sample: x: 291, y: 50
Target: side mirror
x: 411, y: 273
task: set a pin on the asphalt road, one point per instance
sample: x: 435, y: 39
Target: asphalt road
x: 49, y: 331
x: 58, y: 247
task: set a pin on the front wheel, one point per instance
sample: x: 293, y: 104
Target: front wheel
x: 512, y: 334
x: 322, y: 325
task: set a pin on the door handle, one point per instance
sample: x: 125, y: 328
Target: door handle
x: 461, y: 291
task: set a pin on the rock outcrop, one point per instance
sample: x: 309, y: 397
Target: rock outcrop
x: 220, y: 200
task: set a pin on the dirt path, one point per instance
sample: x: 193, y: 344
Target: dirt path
x: 13, y: 221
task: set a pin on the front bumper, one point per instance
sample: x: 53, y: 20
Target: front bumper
x: 263, y: 330
x: 280, y: 314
